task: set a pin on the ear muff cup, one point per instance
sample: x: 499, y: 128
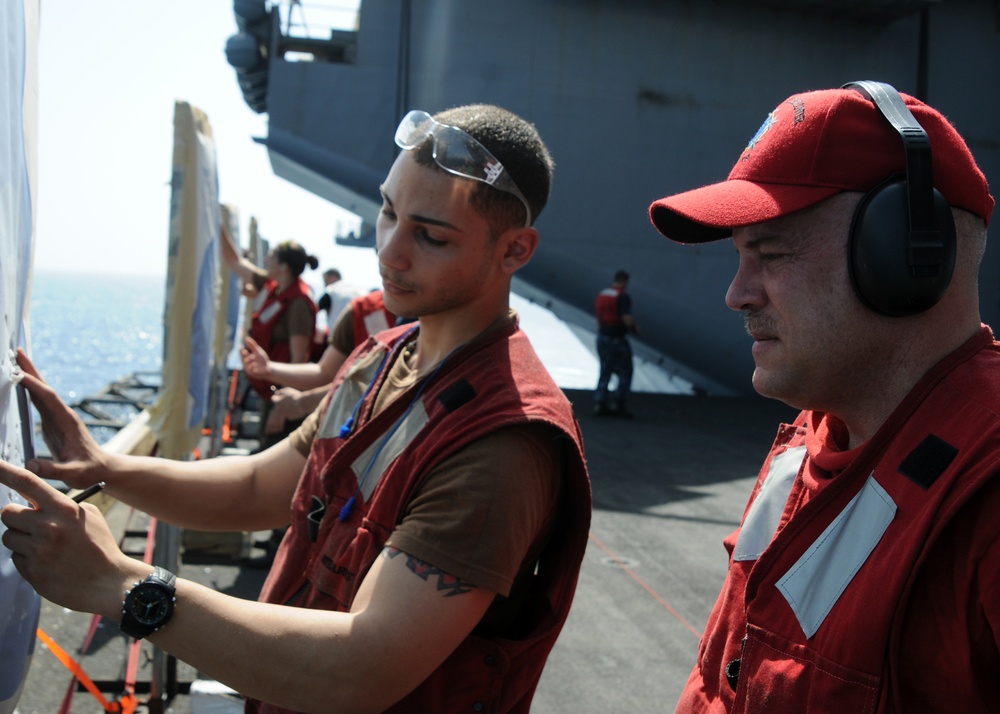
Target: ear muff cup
x: 879, y: 264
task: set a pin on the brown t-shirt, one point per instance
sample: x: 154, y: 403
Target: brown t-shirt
x: 484, y: 513
x: 342, y: 334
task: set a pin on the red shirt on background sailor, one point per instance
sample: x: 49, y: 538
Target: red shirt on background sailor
x: 613, y: 308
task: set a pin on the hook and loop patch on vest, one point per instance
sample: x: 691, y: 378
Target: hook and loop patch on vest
x: 930, y: 459
x: 457, y: 395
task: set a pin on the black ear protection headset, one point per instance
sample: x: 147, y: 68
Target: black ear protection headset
x: 902, y: 242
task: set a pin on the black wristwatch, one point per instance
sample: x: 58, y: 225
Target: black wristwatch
x: 149, y: 604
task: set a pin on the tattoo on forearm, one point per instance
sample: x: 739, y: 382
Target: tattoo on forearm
x: 446, y: 583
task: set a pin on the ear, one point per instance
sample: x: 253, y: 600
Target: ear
x: 519, y: 245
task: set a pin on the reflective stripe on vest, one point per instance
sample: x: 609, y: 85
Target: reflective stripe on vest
x: 817, y: 580
x: 762, y: 520
x: 270, y: 312
x: 350, y: 391
x: 369, y: 467
x: 373, y: 462
x: 376, y: 322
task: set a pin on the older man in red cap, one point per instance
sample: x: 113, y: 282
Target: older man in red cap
x: 865, y: 575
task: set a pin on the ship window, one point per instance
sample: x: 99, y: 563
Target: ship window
x: 319, y: 31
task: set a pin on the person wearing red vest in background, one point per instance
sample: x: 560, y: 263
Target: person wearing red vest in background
x: 284, y: 318
x: 613, y: 308
x: 440, y: 503
x: 865, y: 576
x: 306, y: 384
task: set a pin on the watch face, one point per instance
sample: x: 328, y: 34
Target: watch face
x: 149, y: 604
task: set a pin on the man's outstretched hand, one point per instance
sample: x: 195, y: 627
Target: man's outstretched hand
x: 64, y: 550
x: 77, y: 459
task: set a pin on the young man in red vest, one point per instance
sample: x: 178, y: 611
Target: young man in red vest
x: 865, y: 576
x: 439, y: 499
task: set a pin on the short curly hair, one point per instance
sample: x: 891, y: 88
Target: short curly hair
x: 517, y: 145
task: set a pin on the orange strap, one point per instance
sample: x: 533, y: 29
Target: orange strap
x: 227, y: 423
x: 233, y: 382
x: 73, y: 666
x: 128, y: 702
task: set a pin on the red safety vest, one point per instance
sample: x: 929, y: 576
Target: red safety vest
x: 494, y: 382
x: 606, y: 307
x: 370, y: 316
x: 812, y: 613
x: 264, y: 320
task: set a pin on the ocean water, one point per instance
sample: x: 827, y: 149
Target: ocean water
x: 87, y: 329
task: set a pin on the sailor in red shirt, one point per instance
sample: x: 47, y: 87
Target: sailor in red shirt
x: 865, y: 576
x: 613, y: 308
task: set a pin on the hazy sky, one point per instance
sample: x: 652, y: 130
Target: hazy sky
x: 109, y: 74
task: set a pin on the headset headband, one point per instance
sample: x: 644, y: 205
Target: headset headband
x: 924, y: 245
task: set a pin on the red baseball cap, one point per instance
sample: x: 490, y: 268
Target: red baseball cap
x: 812, y: 146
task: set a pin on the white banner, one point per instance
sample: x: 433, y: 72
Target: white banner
x: 192, y: 286
x: 19, y: 605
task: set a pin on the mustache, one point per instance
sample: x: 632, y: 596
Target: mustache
x: 758, y: 324
x: 395, y: 280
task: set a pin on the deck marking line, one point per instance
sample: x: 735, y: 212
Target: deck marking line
x: 646, y: 586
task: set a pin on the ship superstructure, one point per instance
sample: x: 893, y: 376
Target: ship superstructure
x: 636, y: 99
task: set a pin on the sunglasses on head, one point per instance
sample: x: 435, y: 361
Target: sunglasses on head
x: 458, y: 153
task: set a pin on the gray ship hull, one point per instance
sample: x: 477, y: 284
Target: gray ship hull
x: 637, y: 99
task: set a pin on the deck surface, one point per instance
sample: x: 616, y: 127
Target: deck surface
x: 668, y: 486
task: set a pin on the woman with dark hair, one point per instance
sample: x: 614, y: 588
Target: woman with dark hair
x: 284, y: 316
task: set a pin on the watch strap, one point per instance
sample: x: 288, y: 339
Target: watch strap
x: 164, y: 576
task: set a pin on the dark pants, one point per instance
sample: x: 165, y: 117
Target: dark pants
x: 615, y: 355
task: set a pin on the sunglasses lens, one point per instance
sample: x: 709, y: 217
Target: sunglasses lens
x: 457, y: 152
x: 414, y: 128
x: 454, y: 151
